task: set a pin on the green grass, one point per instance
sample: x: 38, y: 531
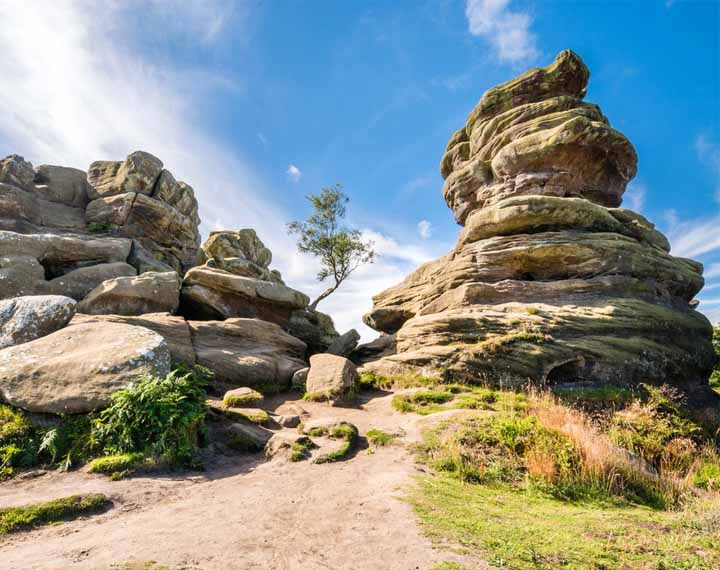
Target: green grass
x: 28, y: 517
x: 380, y: 438
x: 373, y: 381
x: 448, y: 566
x: 341, y: 394
x: 513, y: 528
x: 349, y: 434
x: 443, y: 397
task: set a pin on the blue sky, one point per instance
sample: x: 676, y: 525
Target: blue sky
x: 255, y: 104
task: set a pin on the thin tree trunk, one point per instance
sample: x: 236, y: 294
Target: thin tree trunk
x: 313, y: 306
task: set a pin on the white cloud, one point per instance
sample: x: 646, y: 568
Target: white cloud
x: 424, y: 229
x: 634, y: 197
x: 80, y: 88
x: 294, y: 173
x: 708, y: 152
x: 694, y: 238
x: 507, y: 31
x: 712, y: 271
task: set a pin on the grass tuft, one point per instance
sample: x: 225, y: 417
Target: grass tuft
x: 380, y: 438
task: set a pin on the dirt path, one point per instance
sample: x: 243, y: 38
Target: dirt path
x: 244, y: 514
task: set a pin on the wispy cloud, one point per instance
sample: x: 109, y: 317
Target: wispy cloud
x: 84, y: 88
x: 712, y: 271
x: 694, y: 238
x: 507, y: 31
x: 708, y: 152
x: 294, y: 173
x: 424, y: 229
x: 634, y: 197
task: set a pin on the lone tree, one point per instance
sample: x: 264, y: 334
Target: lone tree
x: 341, y: 250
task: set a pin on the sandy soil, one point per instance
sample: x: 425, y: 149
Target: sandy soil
x: 244, y: 513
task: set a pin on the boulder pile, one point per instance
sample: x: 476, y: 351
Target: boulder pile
x: 551, y: 282
x: 102, y: 279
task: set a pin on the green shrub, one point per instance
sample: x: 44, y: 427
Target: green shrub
x: 28, y: 517
x: 160, y: 417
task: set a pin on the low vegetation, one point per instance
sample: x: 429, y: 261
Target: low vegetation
x: 28, y: 517
x: 348, y: 434
x: 542, y: 485
x: 715, y: 378
x: 160, y: 420
x: 442, y: 397
x: 300, y: 450
x: 380, y: 438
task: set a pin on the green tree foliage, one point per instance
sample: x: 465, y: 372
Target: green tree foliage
x: 341, y: 250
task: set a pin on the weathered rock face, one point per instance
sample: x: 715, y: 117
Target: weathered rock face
x: 147, y: 293
x: 64, y: 232
x: 235, y: 282
x: 26, y: 318
x: 174, y: 330
x: 550, y: 281
x: 247, y: 352
x: 534, y: 135
x: 76, y: 369
x: 136, y: 198
x: 314, y: 328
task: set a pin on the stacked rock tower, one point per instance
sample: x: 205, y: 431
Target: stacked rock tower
x: 551, y: 282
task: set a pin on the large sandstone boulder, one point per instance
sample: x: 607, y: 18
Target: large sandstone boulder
x: 147, y: 293
x: 247, y: 352
x: 174, y: 330
x: 550, y: 281
x: 330, y: 377
x: 235, y: 281
x: 76, y: 369
x: 23, y: 319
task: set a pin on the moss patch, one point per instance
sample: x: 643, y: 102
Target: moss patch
x: 300, y: 450
x: 31, y: 516
x: 118, y: 466
x: 349, y: 434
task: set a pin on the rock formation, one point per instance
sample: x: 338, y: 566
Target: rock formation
x: 236, y: 281
x: 550, y: 281
x: 65, y: 232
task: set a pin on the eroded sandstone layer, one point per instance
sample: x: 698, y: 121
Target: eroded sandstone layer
x: 551, y: 282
